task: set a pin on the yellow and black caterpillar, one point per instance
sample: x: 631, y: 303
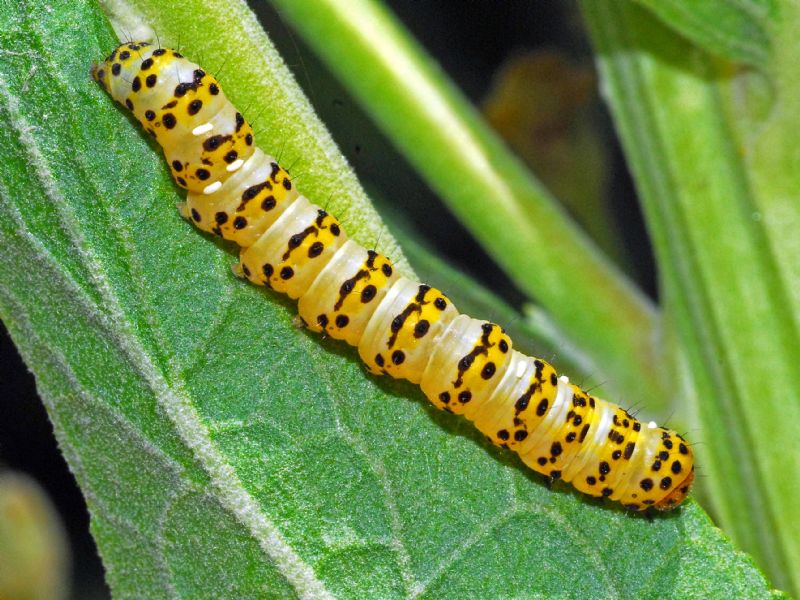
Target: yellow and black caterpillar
x: 401, y: 328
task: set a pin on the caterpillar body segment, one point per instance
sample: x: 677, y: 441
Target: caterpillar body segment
x: 251, y: 199
x: 400, y: 339
x: 291, y: 264
x: 401, y: 328
x: 338, y: 302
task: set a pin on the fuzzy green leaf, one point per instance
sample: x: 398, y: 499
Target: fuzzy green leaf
x: 222, y: 451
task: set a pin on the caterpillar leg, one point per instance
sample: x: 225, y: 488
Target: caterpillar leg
x: 237, y: 270
x: 183, y: 210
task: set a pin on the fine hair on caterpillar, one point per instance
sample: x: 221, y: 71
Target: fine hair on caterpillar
x: 400, y: 327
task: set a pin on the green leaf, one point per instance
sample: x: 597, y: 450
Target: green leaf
x: 733, y: 29
x: 224, y: 452
x: 720, y: 212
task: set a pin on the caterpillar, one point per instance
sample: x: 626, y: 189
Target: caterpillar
x: 401, y: 328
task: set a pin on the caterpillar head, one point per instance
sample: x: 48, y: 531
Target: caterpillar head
x: 204, y: 138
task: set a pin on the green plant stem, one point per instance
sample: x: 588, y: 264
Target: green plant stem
x: 487, y: 188
x: 723, y: 289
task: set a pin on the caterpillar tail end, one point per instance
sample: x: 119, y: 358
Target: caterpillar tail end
x: 677, y: 495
